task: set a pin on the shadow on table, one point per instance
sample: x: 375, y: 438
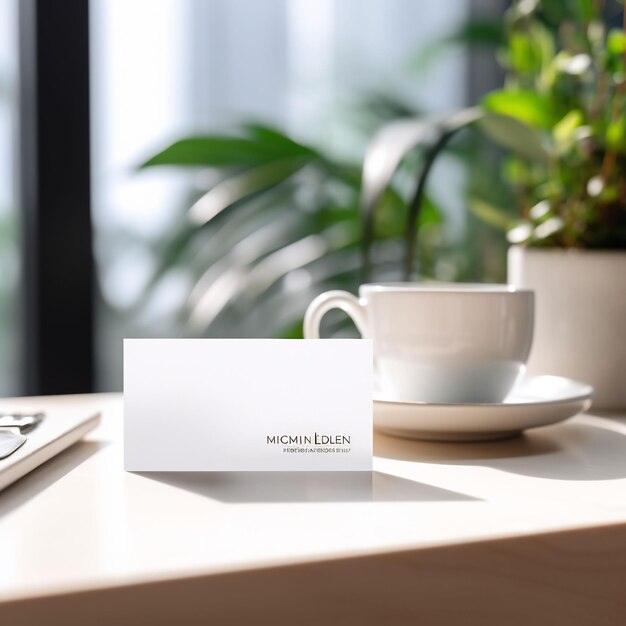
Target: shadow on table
x: 46, y: 475
x: 304, y: 487
x: 591, y: 448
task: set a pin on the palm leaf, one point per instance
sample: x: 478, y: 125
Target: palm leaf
x: 243, y: 185
x: 262, y: 145
x: 396, y: 140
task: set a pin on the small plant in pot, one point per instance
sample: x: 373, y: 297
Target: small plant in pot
x: 569, y: 85
x: 562, y: 112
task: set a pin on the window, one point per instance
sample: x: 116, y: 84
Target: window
x: 163, y: 69
x: 9, y: 232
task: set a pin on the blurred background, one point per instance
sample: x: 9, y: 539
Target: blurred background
x: 119, y: 116
x: 307, y: 68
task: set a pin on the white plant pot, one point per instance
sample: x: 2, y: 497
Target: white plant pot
x: 580, y: 316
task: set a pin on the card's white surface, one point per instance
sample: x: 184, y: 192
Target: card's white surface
x: 247, y: 405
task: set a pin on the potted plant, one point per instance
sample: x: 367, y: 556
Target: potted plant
x: 562, y: 118
x: 569, y: 85
x: 566, y: 88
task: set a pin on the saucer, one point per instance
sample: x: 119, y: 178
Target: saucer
x: 536, y: 401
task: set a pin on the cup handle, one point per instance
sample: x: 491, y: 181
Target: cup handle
x: 343, y: 300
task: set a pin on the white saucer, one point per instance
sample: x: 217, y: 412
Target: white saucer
x: 536, y: 401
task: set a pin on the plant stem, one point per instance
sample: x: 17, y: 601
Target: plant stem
x: 415, y: 206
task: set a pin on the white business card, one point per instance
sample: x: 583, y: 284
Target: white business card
x: 247, y: 405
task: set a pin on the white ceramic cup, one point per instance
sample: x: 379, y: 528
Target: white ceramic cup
x: 450, y: 343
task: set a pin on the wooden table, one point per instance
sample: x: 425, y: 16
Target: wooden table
x: 525, y: 531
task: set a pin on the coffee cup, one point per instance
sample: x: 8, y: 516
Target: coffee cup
x: 441, y: 343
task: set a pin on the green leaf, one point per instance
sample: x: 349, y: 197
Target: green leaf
x: 526, y: 106
x: 430, y: 213
x: 543, y: 39
x: 479, y: 32
x: 292, y: 332
x: 218, y: 151
x: 609, y: 194
x: 510, y: 133
x: 587, y: 9
x: 616, y: 134
x: 515, y: 171
x: 555, y: 12
x: 273, y: 137
x: 390, y: 214
x: 238, y: 187
x: 523, y: 55
x: 616, y: 42
x: 489, y: 214
x: 563, y: 131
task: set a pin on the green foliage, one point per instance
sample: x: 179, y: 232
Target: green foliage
x: 513, y: 134
x: 261, y: 146
x: 526, y: 106
x: 283, y: 221
x: 566, y: 82
x: 280, y: 223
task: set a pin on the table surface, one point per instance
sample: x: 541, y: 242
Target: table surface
x: 80, y: 522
